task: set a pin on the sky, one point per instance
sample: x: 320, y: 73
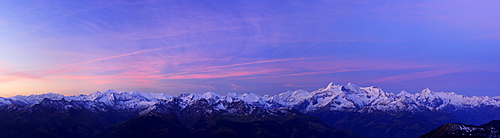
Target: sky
x: 258, y: 46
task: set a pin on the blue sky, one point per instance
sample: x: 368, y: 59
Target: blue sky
x: 264, y: 47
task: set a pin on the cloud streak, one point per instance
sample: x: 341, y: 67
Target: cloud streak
x: 261, y: 62
x: 416, y: 75
x: 123, y: 55
x: 225, y: 74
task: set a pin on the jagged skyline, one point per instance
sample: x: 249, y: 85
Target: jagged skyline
x: 262, y: 47
x: 343, y: 107
x: 338, y: 97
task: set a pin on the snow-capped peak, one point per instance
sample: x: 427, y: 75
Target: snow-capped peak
x: 250, y: 98
x: 290, y: 98
x: 352, y: 86
x: 211, y: 95
x: 403, y: 93
x: 426, y: 91
x: 330, y: 87
x: 330, y: 90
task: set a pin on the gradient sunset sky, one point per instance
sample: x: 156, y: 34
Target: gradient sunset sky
x: 264, y: 47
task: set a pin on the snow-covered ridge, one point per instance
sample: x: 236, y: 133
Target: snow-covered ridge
x: 348, y: 97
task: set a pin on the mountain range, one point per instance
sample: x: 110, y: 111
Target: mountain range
x: 367, y: 111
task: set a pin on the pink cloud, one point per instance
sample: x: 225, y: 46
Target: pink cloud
x: 260, y: 62
x: 78, y: 77
x: 229, y: 70
x: 148, y: 71
x: 100, y: 82
x: 316, y: 67
x: 235, y: 87
x: 46, y: 73
x: 327, y: 72
x: 295, y: 85
x: 492, y: 36
x: 6, y: 78
x: 416, y: 75
x: 180, y: 87
x: 224, y: 74
x: 123, y: 55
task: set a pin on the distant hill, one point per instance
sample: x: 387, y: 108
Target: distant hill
x: 456, y: 130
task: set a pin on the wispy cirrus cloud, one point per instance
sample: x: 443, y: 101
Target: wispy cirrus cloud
x: 75, y: 67
x: 224, y: 74
x: 4, y: 78
x: 124, y: 55
x: 416, y: 75
x: 235, y: 87
x: 261, y: 62
x: 488, y: 36
x: 223, y: 71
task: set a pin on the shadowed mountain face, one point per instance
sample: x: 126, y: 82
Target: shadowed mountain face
x: 249, y: 121
x: 60, y: 118
x: 381, y: 124
x: 50, y: 118
x: 488, y: 130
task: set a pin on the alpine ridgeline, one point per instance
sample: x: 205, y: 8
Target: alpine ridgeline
x: 367, y: 111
